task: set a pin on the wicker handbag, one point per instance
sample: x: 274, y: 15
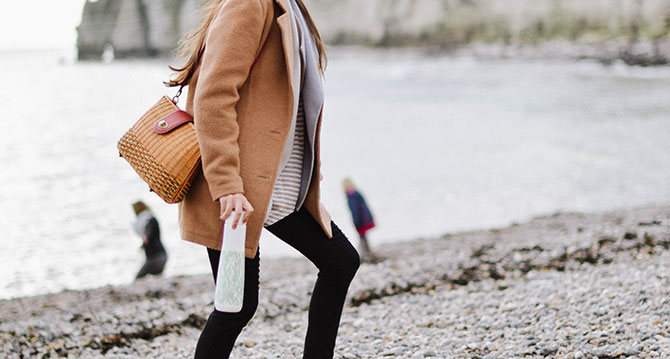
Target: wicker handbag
x: 163, y: 149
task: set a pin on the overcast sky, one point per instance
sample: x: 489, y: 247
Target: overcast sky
x: 39, y: 24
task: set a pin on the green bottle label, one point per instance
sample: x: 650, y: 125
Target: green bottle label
x: 230, y: 282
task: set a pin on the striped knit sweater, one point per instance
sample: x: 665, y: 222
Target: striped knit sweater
x: 287, y: 187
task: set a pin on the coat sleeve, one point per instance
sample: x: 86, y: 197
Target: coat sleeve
x: 152, y: 230
x: 232, y: 44
x: 355, y: 208
x: 367, y: 214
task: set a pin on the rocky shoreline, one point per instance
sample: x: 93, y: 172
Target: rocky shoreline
x: 565, y: 286
x: 641, y: 53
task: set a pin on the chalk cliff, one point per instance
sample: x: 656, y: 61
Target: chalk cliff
x: 134, y: 28
x: 153, y: 27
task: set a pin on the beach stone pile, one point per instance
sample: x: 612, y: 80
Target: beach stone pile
x: 620, y: 310
x: 563, y: 286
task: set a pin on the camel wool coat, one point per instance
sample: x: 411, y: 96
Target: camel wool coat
x: 241, y: 98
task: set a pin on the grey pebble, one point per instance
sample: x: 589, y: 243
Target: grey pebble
x: 586, y: 310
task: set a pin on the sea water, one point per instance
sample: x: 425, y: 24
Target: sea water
x: 435, y: 143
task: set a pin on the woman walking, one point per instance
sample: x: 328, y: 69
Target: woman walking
x: 254, y: 74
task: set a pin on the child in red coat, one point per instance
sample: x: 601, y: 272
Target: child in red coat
x: 360, y: 213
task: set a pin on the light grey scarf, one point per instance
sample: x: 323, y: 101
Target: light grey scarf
x: 311, y: 92
x: 142, y: 220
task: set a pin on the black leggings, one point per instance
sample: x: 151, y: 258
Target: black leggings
x: 337, y: 261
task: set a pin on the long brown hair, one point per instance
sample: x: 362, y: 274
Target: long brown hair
x: 192, y: 44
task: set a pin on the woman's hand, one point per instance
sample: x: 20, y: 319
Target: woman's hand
x: 238, y: 203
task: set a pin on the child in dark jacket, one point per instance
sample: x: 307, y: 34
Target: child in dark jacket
x: 360, y: 213
x: 146, y: 226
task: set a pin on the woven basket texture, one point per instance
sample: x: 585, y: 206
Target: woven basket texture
x: 167, y: 163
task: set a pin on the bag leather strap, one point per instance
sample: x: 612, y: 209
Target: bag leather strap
x: 171, y: 121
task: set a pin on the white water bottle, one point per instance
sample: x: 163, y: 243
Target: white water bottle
x: 229, y: 293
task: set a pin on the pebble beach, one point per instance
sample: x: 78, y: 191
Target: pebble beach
x: 569, y: 285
